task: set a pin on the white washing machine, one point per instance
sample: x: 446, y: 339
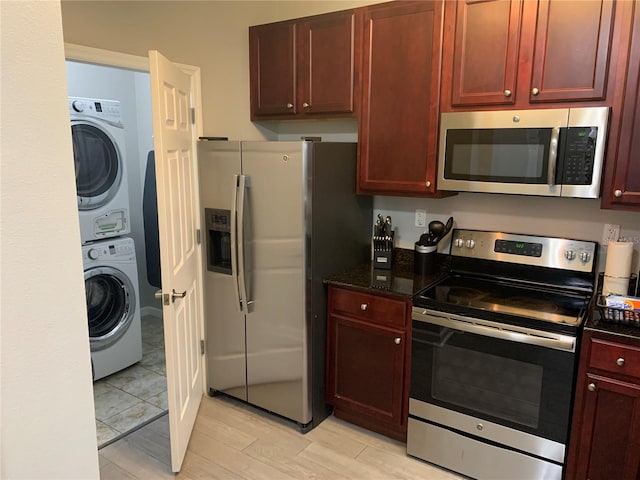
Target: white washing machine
x: 101, y: 177
x: 113, y: 306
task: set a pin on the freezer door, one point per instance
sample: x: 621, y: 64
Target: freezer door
x: 274, y: 248
x: 219, y: 164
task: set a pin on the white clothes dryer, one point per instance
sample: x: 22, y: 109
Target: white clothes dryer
x: 101, y: 177
x: 113, y: 306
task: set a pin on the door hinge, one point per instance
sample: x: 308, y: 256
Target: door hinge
x: 198, y: 239
x: 202, y: 347
x: 193, y: 116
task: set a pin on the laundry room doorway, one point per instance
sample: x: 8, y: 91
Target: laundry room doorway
x: 132, y: 396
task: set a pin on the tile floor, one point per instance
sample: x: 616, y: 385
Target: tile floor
x: 135, y: 395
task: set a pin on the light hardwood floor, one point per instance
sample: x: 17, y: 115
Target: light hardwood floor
x: 234, y: 441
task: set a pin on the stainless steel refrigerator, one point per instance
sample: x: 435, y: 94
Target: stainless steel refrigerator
x: 280, y: 217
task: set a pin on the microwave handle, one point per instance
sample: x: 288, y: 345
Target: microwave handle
x: 553, y: 156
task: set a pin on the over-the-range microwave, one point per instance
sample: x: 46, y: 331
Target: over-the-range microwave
x: 550, y: 152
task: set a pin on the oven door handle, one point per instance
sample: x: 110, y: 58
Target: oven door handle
x: 492, y: 329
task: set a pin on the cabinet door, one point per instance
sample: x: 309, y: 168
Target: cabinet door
x: 610, y: 435
x: 272, y: 69
x: 326, y: 64
x: 480, y: 60
x: 571, y: 52
x: 366, y: 368
x: 622, y: 176
x: 399, y: 120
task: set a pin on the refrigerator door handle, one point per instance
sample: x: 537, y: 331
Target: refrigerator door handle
x: 234, y: 244
x: 242, y: 278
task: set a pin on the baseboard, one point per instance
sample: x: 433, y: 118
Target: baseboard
x: 152, y: 311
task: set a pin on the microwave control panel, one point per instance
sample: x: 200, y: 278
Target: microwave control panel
x: 578, y: 155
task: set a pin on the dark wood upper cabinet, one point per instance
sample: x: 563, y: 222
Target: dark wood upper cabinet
x: 304, y: 67
x: 571, y: 50
x: 523, y: 53
x: 272, y: 56
x: 483, y: 58
x: 400, y: 91
x: 621, y: 187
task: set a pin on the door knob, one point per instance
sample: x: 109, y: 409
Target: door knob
x: 169, y: 298
x: 175, y: 295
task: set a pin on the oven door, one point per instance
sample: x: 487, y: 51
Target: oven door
x: 499, y: 383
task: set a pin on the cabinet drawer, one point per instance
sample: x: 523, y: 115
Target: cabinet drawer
x: 372, y: 308
x: 615, y: 357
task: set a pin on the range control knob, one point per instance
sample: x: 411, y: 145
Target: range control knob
x: 569, y: 255
x: 459, y: 242
x: 470, y: 243
x: 93, y: 254
x: 585, y: 256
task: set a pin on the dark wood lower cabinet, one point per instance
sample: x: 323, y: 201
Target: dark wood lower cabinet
x: 367, y: 361
x: 605, y: 436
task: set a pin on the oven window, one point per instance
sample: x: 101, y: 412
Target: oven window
x: 521, y: 386
x: 510, y: 155
x: 500, y: 387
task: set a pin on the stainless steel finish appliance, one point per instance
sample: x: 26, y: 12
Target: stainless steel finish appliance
x: 493, y: 356
x: 550, y: 152
x: 280, y: 216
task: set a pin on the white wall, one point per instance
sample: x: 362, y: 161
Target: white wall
x: 48, y: 426
x: 561, y: 217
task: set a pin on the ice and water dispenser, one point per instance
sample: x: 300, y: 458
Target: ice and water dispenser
x: 218, y: 240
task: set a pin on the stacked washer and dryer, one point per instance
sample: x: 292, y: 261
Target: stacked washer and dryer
x: 109, y: 258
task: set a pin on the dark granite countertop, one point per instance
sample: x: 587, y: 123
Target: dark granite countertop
x: 400, y: 281
x: 596, y: 324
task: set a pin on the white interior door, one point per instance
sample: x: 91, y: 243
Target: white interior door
x: 179, y: 253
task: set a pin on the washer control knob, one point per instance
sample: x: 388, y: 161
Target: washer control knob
x: 569, y: 255
x: 93, y: 254
x: 585, y: 257
x: 459, y: 242
x: 470, y: 243
x: 78, y: 106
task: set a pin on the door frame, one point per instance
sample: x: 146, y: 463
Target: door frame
x: 108, y: 58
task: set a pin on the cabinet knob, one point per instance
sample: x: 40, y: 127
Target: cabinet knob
x: 427, y: 184
x: 305, y: 105
x: 592, y: 387
x: 617, y: 193
x: 397, y: 340
x: 363, y: 307
x: 535, y: 91
x: 620, y: 362
x: 289, y: 105
x: 507, y: 93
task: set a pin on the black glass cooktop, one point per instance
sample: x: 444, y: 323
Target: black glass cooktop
x: 504, y: 301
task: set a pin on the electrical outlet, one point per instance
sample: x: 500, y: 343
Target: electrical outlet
x: 610, y: 233
x: 421, y: 218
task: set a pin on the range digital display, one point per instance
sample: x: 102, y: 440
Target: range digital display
x: 526, y: 249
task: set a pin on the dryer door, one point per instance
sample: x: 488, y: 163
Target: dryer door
x: 110, y: 305
x: 98, y: 164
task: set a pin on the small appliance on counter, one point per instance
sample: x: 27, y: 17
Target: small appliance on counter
x: 426, y: 248
x: 382, y: 243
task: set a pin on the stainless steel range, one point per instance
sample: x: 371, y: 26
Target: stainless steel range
x: 494, y: 355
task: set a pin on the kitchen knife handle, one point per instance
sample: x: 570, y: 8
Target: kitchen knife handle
x: 234, y: 246
x: 242, y: 282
